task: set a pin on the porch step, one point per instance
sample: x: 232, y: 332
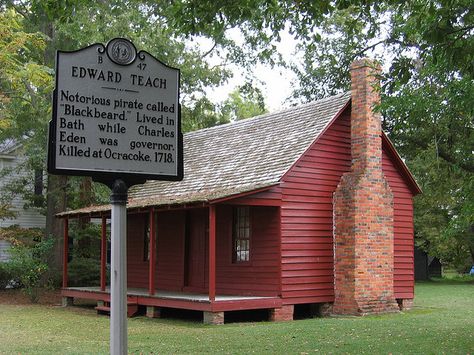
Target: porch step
x: 102, y: 309
x: 132, y: 309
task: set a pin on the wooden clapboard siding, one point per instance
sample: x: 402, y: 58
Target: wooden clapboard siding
x: 169, y: 251
x: 26, y: 218
x: 260, y: 277
x: 170, y: 229
x: 271, y: 197
x: 4, y: 251
x: 292, y: 231
x: 137, y: 266
x: 404, y: 276
x: 306, y: 216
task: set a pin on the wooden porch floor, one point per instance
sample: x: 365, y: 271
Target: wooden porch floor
x: 175, y: 299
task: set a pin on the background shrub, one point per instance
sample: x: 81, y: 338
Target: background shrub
x: 29, y: 266
x: 5, y: 275
x: 84, y: 272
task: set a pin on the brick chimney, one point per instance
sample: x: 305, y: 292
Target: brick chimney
x: 363, y: 209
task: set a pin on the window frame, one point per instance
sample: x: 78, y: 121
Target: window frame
x: 241, y: 233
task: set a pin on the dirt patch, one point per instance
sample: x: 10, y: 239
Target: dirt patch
x: 17, y: 296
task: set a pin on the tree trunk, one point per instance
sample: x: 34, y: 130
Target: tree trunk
x: 86, y: 198
x: 56, y: 202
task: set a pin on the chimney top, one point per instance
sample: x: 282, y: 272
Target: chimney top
x: 366, y: 130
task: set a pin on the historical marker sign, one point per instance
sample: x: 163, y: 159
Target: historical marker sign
x: 115, y: 114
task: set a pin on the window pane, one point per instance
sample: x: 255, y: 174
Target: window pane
x: 241, y: 235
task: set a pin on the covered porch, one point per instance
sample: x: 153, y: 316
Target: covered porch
x: 188, y: 257
x: 170, y: 299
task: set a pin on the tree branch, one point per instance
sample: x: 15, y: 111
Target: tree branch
x: 17, y: 9
x: 210, y: 50
x: 467, y: 166
x: 362, y: 51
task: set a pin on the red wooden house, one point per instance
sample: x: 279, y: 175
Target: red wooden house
x: 307, y: 206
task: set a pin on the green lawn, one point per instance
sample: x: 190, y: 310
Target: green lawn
x: 441, y: 322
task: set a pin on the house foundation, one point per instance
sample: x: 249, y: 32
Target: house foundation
x: 67, y: 301
x: 153, y: 312
x: 284, y: 313
x: 405, y: 304
x: 214, y: 318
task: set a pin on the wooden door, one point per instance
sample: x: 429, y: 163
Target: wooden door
x: 196, y: 250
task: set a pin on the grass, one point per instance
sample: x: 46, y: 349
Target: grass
x: 442, y: 321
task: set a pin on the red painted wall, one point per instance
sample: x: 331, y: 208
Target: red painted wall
x: 169, y: 251
x: 404, y: 278
x: 170, y: 228
x: 307, y: 221
x: 306, y: 216
x: 137, y: 267
x: 306, y: 249
x: 260, y: 277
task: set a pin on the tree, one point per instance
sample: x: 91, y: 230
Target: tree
x: 427, y: 51
x: 31, y: 31
x: 243, y: 102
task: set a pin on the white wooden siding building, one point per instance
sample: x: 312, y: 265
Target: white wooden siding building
x: 11, y: 156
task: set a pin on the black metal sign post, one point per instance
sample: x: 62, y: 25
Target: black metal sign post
x: 116, y: 118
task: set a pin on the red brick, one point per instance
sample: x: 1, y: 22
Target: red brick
x: 405, y: 304
x: 284, y: 313
x: 215, y: 318
x: 363, y: 210
x: 153, y: 312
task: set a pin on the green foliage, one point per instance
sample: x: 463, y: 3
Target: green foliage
x: 426, y: 49
x: 32, y: 31
x: 26, y: 84
x: 84, y: 272
x: 443, y: 213
x: 29, y: 264
x: 86, y: 238
x: 6, y: 211
x: 6, y: 275
x: 17, y: 235
x: 84, y: 268
x: 243, y: 102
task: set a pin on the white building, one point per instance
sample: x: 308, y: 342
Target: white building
x: 11, y: 157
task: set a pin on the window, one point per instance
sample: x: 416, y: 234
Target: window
x: 241, y: 235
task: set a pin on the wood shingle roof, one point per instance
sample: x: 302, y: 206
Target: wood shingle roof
x: 238, y: 157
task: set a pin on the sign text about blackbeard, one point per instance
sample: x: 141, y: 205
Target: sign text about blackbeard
x: 151, y: 120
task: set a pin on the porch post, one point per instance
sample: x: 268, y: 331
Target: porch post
x: 152, y: 253
x: 212, y: 253
x: 65, y: 251
x: 103, y: 254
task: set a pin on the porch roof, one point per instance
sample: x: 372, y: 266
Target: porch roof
x: 238, y: 157
x: 199, y: 197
